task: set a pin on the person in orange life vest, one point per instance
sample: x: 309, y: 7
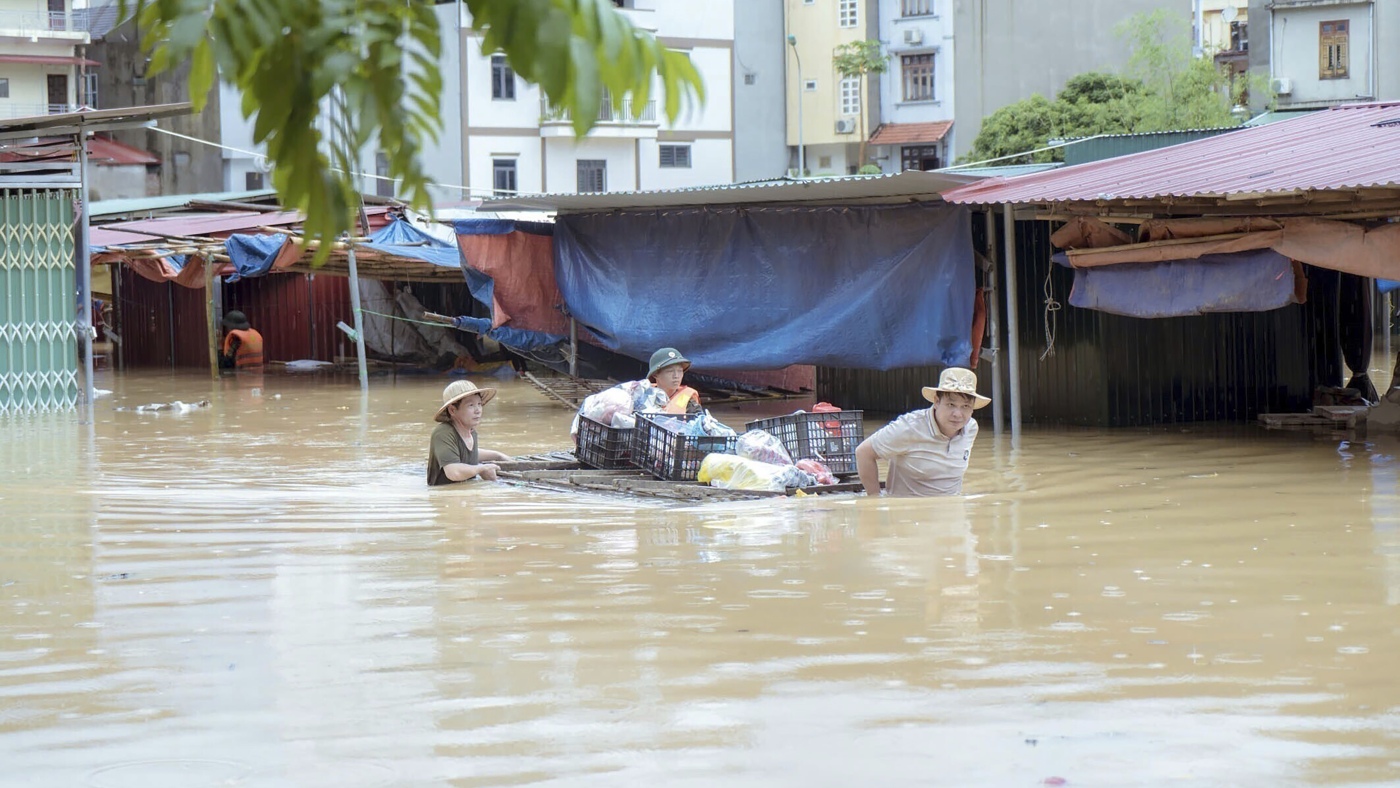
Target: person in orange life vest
x: 668, y: 368
x: 243, y: 347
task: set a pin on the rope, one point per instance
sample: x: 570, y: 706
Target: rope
x: 1051, y: 307
x: 407, y: 319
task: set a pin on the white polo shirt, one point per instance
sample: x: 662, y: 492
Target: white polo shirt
x: 922, y: 461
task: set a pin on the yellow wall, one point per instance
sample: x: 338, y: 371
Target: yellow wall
x: 818, y: 34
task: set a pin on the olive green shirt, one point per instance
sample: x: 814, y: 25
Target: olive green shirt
x: 447, y: 447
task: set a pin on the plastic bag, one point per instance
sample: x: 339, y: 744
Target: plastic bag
x: 601, y: 407
x: 624, y: 421
x: 764, y: 447
x: 821, y: 473
x: 732, y: 472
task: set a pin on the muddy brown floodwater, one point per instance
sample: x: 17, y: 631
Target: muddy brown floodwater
x: 263, y: 592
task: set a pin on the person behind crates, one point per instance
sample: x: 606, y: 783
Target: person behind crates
x: 667, y: 372
x: 243, y: 347
x: 454, y: 453
x: 928, y: 449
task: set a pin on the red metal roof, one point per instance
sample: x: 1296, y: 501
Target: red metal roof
x: 224, y: 223
x: 1346, y: 147
x: 910, y: 133
x: 102, y: 150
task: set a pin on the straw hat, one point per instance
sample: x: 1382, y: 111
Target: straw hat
x: 459, y: 389
x: 956, y: 380
x: 666, y: 357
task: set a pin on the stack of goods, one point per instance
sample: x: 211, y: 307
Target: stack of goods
x: 828, y: 435
x: 762, y: 463
x: 672, y: 447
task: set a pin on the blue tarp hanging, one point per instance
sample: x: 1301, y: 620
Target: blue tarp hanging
x: 1254, y: 281
x: 516, y: 338
x: 856, y: 287
x: 500, y: 227
x: 401, y: 238
x: 252, y: 255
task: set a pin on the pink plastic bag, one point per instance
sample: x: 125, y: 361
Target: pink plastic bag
x: 821, y: 472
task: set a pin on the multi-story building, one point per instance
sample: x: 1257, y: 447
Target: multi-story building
x: 1009, y: 50
x: 916, y: 92
x: 42, y: 70
x: 1322, y: 52
x: 828, y: 114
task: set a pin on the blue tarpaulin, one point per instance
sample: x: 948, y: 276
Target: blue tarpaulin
x: 858, y: 287
x: 252, y: 255
x: 510, y: 337
x: 1254, y: 281
x: 500, y: 227
x: 401, y: 238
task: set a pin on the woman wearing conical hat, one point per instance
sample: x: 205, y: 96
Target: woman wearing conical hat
x: 928, y: 449
x: 454, y: 453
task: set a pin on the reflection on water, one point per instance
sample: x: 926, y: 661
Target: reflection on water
x: 264, y: 592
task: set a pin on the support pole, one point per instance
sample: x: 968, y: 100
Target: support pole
x: 573, y: 347
x: 355, y: 312
x: 994, y: 325
x: 85, y: 277
x: 1013, y: 354
x: 211, y: 326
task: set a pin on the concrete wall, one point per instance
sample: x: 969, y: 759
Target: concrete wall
x: 116, y: 182
x: 186, y: 167
x: 1283, y: 41
x: 760, y: 117
x: 1008, y: 50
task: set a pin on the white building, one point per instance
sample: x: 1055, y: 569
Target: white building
x: 40, y: 70
x: 916, y: 92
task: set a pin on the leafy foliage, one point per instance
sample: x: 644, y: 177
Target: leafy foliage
x: 322, y: 78
x: 1163, y: 88
x: 861, y: 59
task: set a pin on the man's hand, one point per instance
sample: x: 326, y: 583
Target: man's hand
x: 488, y: 471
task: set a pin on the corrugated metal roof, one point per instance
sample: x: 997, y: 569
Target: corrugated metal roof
x: 848, y: 189
x: 89, y: 120
x: 169, y: 201
x: 1346, y: 147
x: 910, y: 133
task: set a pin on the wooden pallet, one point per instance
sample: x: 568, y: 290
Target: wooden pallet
x: 1335, y: 417
x: 560, y: 471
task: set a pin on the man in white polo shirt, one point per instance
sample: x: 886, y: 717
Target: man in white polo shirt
x: 927, y: 450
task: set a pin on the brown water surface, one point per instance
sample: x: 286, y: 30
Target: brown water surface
x: 263, y: 592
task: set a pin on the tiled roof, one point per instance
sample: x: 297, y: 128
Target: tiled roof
x: 910, y: 133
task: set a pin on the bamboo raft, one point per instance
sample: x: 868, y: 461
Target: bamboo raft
x: 561, y: 471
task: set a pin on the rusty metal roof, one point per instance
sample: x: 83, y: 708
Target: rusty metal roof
x: 1349, y: 147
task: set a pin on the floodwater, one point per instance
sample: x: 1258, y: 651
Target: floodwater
x: 263, y: 592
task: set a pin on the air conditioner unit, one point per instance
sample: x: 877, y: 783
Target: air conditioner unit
x: 1282, y: 86
x: 914, y: 36
x: 845, y: 126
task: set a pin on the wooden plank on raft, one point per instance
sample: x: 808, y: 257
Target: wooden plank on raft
x: 1338, y: 417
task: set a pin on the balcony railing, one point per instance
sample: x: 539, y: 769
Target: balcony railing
x: 606, y: 112
x: 9, y: 110
x: 40, y: 23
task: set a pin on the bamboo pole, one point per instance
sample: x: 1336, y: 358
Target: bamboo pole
x: 211, y: 324
x: 1013, y: 343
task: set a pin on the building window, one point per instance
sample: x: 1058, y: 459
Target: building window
x: 850, y: 95
x: 1333, y: 51
x: 918, y: 77
x: 919, y: 157
x: 809, y: 85
x: 848, y: 12
x: 383, y: 184
x: 750, y: 79
x: 1239, y: 36
x: 4, y: 87
x: 675, y: 156
x: 253, y: 181
x: 916, y: 8
x: 502, y: 79
x: 592, y: 175
x: 823, y: 161
x: 503, y: 176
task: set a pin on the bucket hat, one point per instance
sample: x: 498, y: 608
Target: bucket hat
x: 459, y: 389
x: 956, y: 380
x: 666, y: 357
x: 236, y: 320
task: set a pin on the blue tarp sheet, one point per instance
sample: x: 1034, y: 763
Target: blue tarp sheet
x: 500, y: 227
x: 516, y: 338
x: 857, y: 287
x: 1254, y: 281
x: 403, y: 239
x: 252, y: 255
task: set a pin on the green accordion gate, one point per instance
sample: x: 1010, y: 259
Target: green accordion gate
x: 38, y: 301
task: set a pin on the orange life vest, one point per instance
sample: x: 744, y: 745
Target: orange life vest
x: 250, y: 347
x: 680, y: 401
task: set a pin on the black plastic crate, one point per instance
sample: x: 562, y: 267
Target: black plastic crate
x: 672, y: 456
x: 604, y: 447
x: 829, y: 438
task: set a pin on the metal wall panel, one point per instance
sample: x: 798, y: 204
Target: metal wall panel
x: 161, y: 324
x: 38, y: 301
x: 1108, y: 370
x: 295, y: 313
